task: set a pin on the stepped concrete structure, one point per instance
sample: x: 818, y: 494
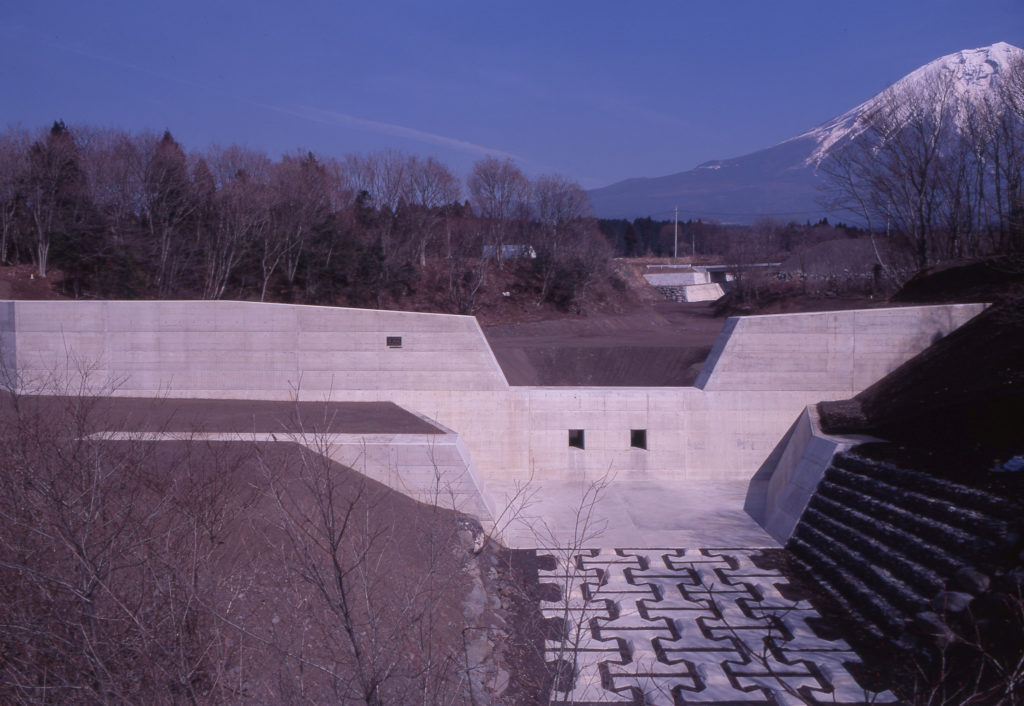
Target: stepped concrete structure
x: 653, y: 505
x: 762, y: 372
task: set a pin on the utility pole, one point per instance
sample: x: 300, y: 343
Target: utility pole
x: 675, y: 236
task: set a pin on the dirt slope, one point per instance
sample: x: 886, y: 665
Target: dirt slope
x: 661, y: 343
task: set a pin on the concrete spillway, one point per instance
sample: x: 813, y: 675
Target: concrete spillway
x: 762, y: 372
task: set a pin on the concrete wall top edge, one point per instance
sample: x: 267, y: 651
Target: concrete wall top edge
x: 233, y: 302
x: 882, y: 309
x: 391, y: 312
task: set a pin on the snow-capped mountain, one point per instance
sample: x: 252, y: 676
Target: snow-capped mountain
x: 970, y: 73
x: 781, y: 181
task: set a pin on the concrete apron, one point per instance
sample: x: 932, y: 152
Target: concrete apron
x: 583, y: 513
x: 623, y: 513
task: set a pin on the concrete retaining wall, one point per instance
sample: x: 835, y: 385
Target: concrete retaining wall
x: 827, y: 351
x: 433, y: 468
x: 693, y: 292
x: 722, y: 429
x: 691, y: 435
x: 783, y: 485
x: 245, y: 349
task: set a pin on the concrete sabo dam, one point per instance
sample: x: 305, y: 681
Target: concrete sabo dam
x: 714, y: 437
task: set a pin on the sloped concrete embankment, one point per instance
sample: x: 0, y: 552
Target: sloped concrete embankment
x: 907, y: 555
x: 434, y: 469
x: 921, y: 564
x: 780, y: 490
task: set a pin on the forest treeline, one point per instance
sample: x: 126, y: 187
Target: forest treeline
x: 124, y: 215
x: 132, y: 215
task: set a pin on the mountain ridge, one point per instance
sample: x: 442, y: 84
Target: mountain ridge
x: 781, y: 181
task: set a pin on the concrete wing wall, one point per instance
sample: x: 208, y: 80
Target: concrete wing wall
x: 249, y: 350
x: 781, y: 489
x: 826, y: 351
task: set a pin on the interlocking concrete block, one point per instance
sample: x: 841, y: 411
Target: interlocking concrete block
x: 705, y: 645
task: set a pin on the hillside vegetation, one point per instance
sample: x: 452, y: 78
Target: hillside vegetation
x: 103, y: 213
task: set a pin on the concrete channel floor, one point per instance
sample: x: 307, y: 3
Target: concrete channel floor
x: 664, y: 598
x: 625, y: 513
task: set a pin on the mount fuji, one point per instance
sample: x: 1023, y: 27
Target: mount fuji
x: 783, y: 181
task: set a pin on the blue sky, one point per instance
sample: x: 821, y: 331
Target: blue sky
x: 597, y: 91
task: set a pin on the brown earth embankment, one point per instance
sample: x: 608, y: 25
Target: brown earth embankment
x: 661, y: 344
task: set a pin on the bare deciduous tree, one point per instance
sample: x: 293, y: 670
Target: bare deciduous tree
x: 142, y: 571
x: 114, y: 163
x: 301, y: 192
x: 111, y: 564
x: 371, y: 636
x: 53, y: 189
x: 168, y: 206
x: 500, y: 194
x: 1005, y: 137
x: 892, y: 171
x: 243, y: 216
x: 432, y: 189
x: 466, y: 269
x: 937, y: 167
x: 562, y: 208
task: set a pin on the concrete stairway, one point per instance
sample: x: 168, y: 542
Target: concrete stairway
x: 891, y: 546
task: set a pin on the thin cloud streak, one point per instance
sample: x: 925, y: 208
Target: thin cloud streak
x: 331, y: 117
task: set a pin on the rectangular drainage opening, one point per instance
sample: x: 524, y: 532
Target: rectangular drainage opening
x: 638, y: 438
x: 576, y: 438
